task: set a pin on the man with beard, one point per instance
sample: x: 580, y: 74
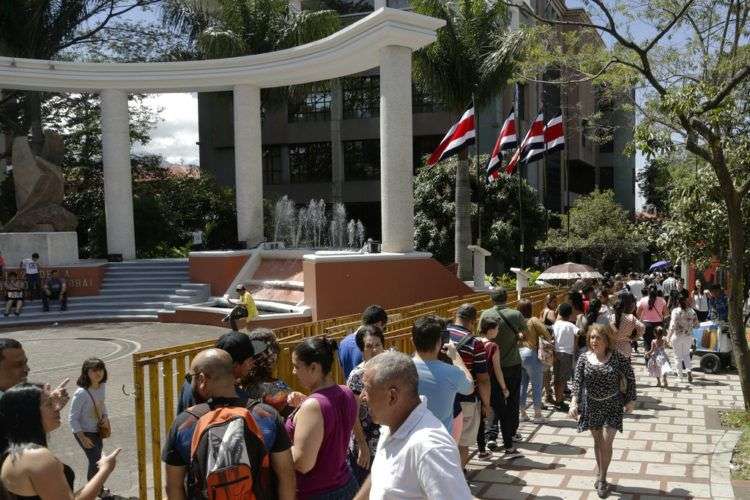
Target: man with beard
x: 212, y: 380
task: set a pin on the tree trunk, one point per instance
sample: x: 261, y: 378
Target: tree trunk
x: 34, y: 107
x: 463, y: 218
x: 737, y: 284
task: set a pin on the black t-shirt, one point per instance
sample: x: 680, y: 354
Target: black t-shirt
x: 176, y: 450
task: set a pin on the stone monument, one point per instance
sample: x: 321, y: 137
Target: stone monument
x: 41, y: 223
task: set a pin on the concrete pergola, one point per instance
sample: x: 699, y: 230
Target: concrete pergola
x: 385, y: 38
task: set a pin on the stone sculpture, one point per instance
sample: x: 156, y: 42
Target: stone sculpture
x: 39, y: 186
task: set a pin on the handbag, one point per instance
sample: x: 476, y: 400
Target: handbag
x: 102, y: 423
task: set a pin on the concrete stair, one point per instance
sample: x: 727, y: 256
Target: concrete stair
x: 131, y: 291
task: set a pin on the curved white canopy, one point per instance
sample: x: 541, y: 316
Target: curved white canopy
x: 350, y: 50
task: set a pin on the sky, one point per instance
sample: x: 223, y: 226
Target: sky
x: 175, y: 135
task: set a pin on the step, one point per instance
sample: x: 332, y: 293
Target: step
x: 88, y: 318
x: 148, y: 275
x: 143, y: 262
x: 140, y: 283
x: 141, y: 288
x: 76, y: 305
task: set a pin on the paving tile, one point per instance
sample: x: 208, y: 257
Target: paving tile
x: 646, y: 456
x: 579, y: 464
x: 504, y: 491
x: 629, y: 444
x: 670, y: 446
x: 541, y: 479
x: 581, y: 482
x: 688, y: 458
x: 625, y: 467
x: 692, y: 489
x: 549, y: 493
x: 666, y: 470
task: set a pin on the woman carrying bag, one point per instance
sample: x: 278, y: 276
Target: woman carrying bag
x: 88, y: 414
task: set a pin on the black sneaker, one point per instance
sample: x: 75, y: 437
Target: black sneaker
x: 17, y: 313
x: 492, y: 445
x: 562, y: 407
x: 511, y: 453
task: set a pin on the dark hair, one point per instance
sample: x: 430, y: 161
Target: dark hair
x: 658, y: 332
x: 524, y: 307
x: 21, y: 416
x: 427, y: 332
x: 565, y: 310
x: 467, y: 311
x: 317, y: 350
x: 587, y: 289
x: 6, y: 343
x: 368, y: 330
x: 374, y: 314
x: 486, y: 324
x: 12, y: 274
x: 594, y: 307
x: 237, y: 344
x: 34, y: 255
x: 624, y: 302
x: 266, y: 335
x: 549, y: 298
x: 263, y: 367
x: 91, y: 364
x: 653, y: 293
x: 576, y: 300
x: 682, y: 299
x: 53, y: 271
x: 499, y: 296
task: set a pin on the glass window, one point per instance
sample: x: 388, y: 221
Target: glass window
x: 362, y: 160
x: 606, y: 178
x: 423, y: 102
x: 607, y: 147
x: 582, y: 177
x: 272, y: 165
x: 310, y: 162
x: 314, y: 107
x: 361, y: 97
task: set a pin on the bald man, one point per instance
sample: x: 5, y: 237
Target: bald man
x: 213, y: 381
x: 416, y: 457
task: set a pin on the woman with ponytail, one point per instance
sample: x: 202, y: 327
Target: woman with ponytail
x: 652, y: 310
x: 681, y: 324
x: 625, y: 325
x: 320, y: 428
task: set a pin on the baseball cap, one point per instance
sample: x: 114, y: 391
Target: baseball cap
x: 239, y: 346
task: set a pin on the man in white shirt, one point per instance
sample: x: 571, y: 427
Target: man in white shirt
x: 669, y: 284
x: 636, y: 286
x: 31, y: 273
x: 416, y: 457
x: 565, y: 347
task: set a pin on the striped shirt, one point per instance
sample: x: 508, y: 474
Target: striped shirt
x: 473, y: 355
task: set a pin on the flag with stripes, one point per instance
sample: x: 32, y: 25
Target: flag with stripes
x: 461, y: 134
x: 554, y: 135
x: 532, y: 147
x: 505, y: 140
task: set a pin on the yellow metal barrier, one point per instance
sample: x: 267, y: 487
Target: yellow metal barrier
x: 158, y: 374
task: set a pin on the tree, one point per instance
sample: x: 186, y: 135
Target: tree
x: 599, y: 231
x: 434, y: 214
x: 691, y: 62
x: 653, y: 181
x: 472, y: 58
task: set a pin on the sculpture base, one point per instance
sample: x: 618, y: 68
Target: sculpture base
x: 54, y: 249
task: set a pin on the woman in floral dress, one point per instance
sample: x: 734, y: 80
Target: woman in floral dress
x: 603, y: 389
x: 371, y: 342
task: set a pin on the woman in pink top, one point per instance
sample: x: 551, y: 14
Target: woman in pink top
x: 321, y: 426
x: 651, y: 311
x: 625, y: 326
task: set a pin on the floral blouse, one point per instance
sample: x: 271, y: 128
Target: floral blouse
x: 370, y: 428
x: 682, y: 322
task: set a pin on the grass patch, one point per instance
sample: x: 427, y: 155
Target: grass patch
x: 739, y: 419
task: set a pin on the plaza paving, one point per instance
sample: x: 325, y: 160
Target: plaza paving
x: 667, y: 449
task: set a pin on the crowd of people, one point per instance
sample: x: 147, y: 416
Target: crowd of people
x: 27, y: 285
x: 401, y: 426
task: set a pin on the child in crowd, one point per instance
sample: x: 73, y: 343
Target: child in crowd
x: 658, y: 362
x: 487, y: 333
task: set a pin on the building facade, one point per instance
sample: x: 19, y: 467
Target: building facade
x: 324, y: 142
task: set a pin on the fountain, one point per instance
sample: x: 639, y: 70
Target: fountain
x: 310, y: 227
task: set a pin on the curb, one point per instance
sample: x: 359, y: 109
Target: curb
x: 720, y: 473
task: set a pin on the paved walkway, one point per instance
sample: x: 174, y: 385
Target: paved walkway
x: 665, y: 451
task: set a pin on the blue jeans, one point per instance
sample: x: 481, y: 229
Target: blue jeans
x: 92, y: 454
x: 533, y: 370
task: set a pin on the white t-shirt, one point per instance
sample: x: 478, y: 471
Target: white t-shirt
x: 565, y: 336
x: 419, y: 460
x: 636, y: 288
x: 668, y: 285
x: 30, y: 267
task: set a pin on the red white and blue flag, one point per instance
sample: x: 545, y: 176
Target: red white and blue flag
x: 461, y: 134
x: 554, y: 136
x: 505, y: 140
x: 532, y: 147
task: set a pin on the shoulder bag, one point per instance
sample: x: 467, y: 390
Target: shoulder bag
x: 103, y: 426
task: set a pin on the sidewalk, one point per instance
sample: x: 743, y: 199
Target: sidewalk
x: 665, y: 451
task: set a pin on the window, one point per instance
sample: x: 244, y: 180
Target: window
x: 423, y: 102
x: 582, y: 177
x: 362, y: 160
x: 606, y: 178
x: 361, y: 97
x: 423, y: 146
x: 314, y: 107
x: 272, y: 165
x: 310, y: 162
x: 607, y: 146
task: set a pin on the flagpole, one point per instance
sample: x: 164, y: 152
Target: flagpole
x: 480, y: 191
x: 520, y: 166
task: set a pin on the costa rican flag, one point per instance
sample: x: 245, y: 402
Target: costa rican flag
x: 532, y: 147
x: 461, y: 134
x: 554, y: 135
x: 505, y: 140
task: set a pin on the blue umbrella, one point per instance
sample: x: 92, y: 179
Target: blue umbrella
x: 660, y: 266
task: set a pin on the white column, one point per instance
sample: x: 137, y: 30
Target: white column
x: 248, y: 164
x: 118, y: 184
x: 396, y: 168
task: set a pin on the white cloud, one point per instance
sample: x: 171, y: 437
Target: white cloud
x: 176, y: 133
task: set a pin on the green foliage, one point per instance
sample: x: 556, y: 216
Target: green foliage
x: 600, y: 232
x: 508, y: 280
x: 434, y: 205
x: 473, y: 55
